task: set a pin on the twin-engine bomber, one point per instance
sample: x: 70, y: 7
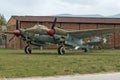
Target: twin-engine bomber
x: 40, y: 35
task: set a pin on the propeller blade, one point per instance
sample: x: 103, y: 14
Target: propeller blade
x: 8, y: 32
x: 54, y: 22
x: 17, y: 25
x: 11, y: 38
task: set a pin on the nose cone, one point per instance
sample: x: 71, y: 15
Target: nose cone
x: 16, y: 32
x: 51, y: 32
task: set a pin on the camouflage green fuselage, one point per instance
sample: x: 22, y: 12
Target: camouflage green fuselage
x: 38, y: 35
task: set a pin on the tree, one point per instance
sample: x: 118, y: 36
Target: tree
x: 2, y: 21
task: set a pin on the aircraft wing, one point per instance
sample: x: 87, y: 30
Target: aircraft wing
x: 92, y: 32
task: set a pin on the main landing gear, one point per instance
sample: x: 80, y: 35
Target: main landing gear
x: 28, y: 50
x: 85, y: 49
x: 61, y: 50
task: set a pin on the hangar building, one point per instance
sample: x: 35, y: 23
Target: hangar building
x: 68, y: 23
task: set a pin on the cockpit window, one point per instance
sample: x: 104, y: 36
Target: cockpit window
x: 40, y: 26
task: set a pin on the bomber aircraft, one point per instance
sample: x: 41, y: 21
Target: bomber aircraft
x: 40, y: 35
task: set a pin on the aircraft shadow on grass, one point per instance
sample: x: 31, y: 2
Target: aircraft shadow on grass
x: 69, y: 53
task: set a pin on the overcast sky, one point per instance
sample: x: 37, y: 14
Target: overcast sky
x: 53, y: 7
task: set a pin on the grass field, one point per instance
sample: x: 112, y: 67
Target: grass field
x: 14, y: 63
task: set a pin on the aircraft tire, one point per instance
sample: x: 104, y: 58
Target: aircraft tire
x: 85, y: 50
x: 28, y: 50
x: 61, y: 50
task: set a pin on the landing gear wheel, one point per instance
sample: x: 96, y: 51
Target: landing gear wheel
x: 28, y: 50
x: 85, y: 50
x: 61, y: 50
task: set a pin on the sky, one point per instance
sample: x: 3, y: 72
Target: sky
x: 55, y: 7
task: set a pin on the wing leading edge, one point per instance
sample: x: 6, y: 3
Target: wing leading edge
x: 92, y: 32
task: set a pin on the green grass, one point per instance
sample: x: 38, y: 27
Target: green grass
x: 14, y: 63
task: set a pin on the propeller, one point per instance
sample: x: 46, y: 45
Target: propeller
x: 15, y: 32
x: 11, y: 38
x: 54, y: 22
x: 17, y: 25
x: 51, y: 31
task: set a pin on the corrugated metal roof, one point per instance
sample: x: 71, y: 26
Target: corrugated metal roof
x: 68, y: 19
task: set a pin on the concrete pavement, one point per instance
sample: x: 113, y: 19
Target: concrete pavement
x: 101, y: 76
